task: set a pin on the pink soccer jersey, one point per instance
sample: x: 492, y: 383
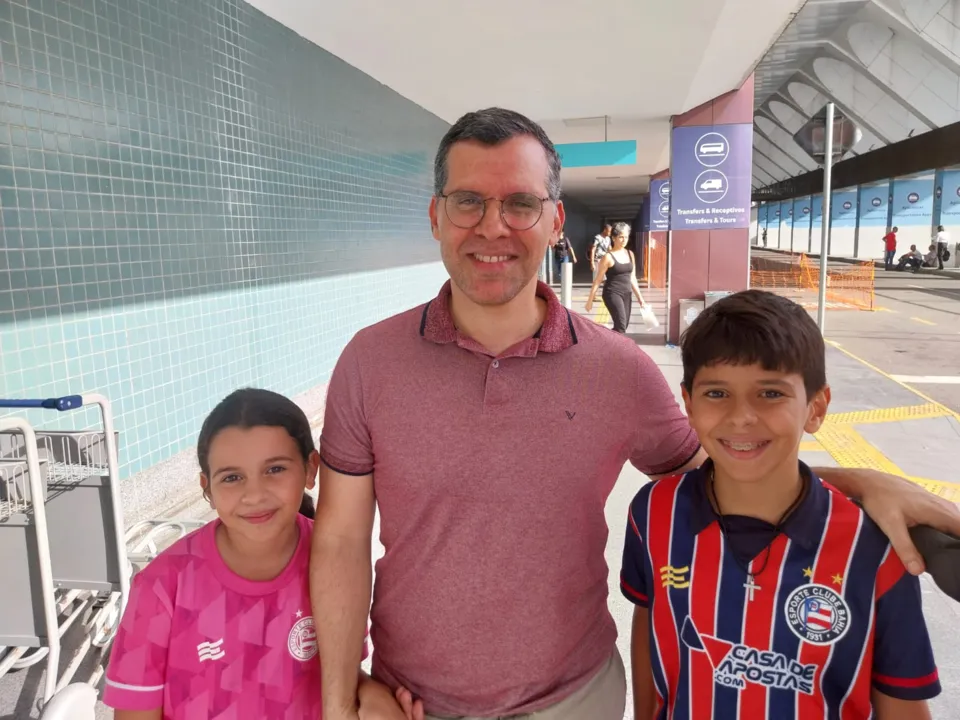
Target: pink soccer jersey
x: 202, y: 642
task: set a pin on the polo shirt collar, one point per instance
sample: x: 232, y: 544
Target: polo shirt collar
x: 557, y: 332
x: 804, y: 526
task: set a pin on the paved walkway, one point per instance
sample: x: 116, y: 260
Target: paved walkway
x: 874, y: 422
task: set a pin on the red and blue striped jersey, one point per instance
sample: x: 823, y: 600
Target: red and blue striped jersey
x: 833, y: 612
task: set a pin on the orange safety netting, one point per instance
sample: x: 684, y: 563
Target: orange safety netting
x: 848, y: 286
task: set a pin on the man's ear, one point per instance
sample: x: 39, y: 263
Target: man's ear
x: 817, y: 410
x: 558, y: 219
x: 434, y: 221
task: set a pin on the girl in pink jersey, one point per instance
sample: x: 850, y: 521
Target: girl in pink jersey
x: 219, y: 624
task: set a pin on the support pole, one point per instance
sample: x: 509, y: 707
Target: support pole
x: 566, y: 285
x: 825, y: 223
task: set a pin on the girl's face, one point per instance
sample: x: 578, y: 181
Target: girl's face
x: 256, y: 482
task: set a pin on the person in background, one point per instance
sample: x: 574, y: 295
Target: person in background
x: 601, y: 246
x: 563, y: 252
x: 912, y: 260
x: 617, y: 273
x: 890, y: 248
x: 942, y: 240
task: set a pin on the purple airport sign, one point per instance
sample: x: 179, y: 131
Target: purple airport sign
x: 711, y: 171
x: 660, y: 205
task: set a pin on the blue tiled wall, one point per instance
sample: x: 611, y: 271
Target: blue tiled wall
x: 195, y: 198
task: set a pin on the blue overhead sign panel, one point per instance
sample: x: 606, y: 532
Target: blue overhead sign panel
x: 711, y: 170
x: 660, y: 205
x: 594, y: 154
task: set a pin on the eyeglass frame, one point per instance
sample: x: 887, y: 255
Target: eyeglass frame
x: 443, y: 196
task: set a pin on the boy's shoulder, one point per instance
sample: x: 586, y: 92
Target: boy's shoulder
x: 669, y: 485
x: 842, y: 512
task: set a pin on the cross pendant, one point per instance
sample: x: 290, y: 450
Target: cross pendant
x: 750, y: 587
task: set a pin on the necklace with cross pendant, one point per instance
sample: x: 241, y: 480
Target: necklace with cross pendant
x: 750, y: 586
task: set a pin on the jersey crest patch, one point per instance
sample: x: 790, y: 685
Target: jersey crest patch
x: 302, y: 640
x: 817, y: 615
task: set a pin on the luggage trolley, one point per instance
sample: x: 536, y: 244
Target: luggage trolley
x: 63, y: 551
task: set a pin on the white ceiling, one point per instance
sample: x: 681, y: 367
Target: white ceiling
x: 638, y: 63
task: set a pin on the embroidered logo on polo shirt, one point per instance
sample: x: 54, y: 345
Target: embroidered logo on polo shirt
x: 570, y: 415
x: 302, y: 640
x: 817, y: 614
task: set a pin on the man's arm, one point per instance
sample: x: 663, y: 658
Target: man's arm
x: 893, y: 503
x: 896, y: 505
x: 340, y: 580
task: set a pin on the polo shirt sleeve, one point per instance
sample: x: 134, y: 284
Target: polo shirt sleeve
x: 633, y: 581
x: 664, y: 441
x: 903, y: 664
x: 345, y: 443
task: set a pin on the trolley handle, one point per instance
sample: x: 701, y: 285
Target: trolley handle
x: 61, y: 404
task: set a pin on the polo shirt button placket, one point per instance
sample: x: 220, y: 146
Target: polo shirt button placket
x: 495, y: 364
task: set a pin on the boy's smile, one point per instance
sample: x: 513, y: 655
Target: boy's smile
x: 751, y: 420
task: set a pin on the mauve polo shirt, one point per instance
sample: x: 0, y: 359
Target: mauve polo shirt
x: 491, y: 475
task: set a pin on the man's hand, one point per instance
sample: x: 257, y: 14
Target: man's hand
x: 378, y: 703
x: 412, y: 708
x: 896, y: 505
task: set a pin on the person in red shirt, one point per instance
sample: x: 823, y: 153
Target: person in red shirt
x: 890, y: 248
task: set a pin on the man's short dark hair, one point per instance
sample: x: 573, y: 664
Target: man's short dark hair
x: 756, y: 327
x: 493, y: 126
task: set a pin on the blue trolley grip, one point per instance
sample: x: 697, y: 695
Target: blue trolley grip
x: 67, y: 402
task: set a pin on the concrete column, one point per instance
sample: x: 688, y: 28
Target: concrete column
x: 710, y: 259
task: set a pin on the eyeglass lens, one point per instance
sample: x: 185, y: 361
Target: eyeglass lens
x: 520, y: 211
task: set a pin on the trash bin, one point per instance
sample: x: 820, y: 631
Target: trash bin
x: 711, y: 296
x: 689, y: 309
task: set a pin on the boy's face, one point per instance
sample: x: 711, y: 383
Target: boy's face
x: 751, y: 420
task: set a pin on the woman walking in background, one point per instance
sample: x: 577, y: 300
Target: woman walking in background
x: 617, y: 266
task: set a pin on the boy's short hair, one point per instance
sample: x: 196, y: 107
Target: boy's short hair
x: 756, y: 327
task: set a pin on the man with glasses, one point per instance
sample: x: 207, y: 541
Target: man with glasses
x: 463, y: 421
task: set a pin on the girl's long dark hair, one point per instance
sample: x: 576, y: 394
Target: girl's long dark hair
x: 254, y: 407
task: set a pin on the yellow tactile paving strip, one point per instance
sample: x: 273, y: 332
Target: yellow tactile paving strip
x: 894, y: 414
x: 839, y: 437
x: 850, y: 449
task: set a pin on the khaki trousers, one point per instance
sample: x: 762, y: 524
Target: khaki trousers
x: 603, y: 698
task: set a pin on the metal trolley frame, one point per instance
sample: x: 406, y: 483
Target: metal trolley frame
x: 65, y: 560
x: 62, y: 545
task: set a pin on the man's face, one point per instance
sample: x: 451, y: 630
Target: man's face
x: 491, y: 263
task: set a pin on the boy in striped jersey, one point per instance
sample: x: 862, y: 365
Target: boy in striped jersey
x: 760, y: 591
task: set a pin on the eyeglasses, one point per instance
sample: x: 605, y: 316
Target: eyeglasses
x: 519, y: 211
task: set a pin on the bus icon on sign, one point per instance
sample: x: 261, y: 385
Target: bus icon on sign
x: 847, y: 205
x: 876, y: 202
x: 912, y: 198
x: 715, y: 148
